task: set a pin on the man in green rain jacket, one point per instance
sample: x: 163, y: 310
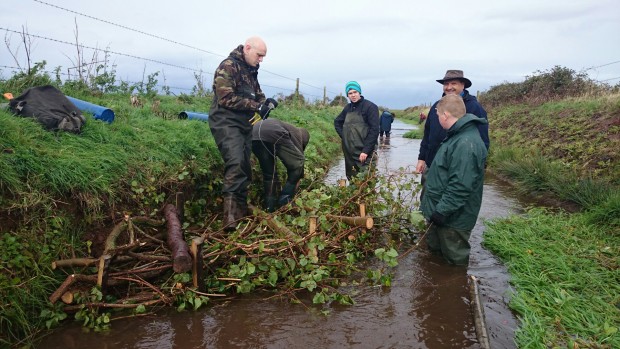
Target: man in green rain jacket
x: 453, y: 192
x: 358, y: 128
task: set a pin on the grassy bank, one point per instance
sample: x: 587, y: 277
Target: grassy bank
x: 62, y: 193
x: 564, y: 266
x: 565, y: 271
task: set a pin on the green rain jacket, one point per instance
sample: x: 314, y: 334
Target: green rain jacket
x: 454, y: 184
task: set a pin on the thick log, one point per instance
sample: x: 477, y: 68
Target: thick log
x: 181, y: 260
x: 366, y: 222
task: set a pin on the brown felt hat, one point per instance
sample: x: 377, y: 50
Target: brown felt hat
x: 455, y: 75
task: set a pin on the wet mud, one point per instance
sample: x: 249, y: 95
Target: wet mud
x: 428, y: 305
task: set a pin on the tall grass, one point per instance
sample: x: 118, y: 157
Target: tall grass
x: 57, y: 188
x: 556, y: 135
x: 566, y: 275
x: 535, y: 174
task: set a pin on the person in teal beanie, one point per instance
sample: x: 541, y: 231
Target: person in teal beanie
x: 358, y: 128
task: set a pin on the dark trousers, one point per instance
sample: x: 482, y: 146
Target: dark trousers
x: 235, y: 146
x: 291, y: 157
x: 452, y: 243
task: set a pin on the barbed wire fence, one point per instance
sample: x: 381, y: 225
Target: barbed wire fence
x: 296, y: 91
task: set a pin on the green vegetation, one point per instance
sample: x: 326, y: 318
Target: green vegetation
x: 62, y: 194
x: 556, y: 135
x: 417, y: 133
x: 565, y: 269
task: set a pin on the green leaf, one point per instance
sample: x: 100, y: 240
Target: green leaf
x: 273, y: 277
x: 319, y: 298
x: 416, y: 217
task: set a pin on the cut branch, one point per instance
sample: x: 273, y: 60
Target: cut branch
x: 181, y: 260
x: 366, y: 221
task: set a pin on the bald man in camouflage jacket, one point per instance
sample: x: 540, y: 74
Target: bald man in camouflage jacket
x: 237, y: 97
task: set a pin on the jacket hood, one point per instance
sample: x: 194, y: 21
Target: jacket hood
x: 467, y: 119
x: 237, y: 55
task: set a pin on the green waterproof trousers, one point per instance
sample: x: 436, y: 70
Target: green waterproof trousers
x: 452, y: 243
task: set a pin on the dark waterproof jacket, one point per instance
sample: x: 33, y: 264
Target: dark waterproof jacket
x: 454, y: 184
x: 434, y: 133
x: 236, y: 92
x: 370, y: 114
x: 385, y: 121
x: 278, y: 132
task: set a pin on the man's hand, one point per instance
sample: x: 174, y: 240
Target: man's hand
x: 271, y: 103
x: 263, y: 111
x: 363, y: 157
x: 421, y: 166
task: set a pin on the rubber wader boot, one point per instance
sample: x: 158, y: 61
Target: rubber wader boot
x: 286, y: 195
x: 229, y: 220
x: 270, y: 188
x: 241, y: 210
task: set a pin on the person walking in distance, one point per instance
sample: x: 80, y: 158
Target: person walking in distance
x: 385, y: 123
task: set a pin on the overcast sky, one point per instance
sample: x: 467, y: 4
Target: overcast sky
x: 394, y: 49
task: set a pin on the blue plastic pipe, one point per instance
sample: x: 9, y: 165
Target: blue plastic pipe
x: 99, y: 112
x: 193, y: 116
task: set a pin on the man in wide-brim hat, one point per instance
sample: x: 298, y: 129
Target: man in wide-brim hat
x: 454, y: 82
x: 455, y: 75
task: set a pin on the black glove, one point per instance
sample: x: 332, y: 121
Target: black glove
x: 438, y: 218
x: 271, y: 103
x: 263, y: 111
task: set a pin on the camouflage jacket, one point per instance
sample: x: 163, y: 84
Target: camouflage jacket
x: 235, y: 85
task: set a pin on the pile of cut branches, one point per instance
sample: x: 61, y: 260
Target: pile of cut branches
x: 309, y: 245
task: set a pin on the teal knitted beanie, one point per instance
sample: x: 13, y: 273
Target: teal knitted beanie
x: 353, y: 85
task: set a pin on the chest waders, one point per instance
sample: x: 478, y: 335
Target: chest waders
x: 233, y: 136
x: 354, y: 132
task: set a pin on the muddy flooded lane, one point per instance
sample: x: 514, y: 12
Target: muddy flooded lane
x: 428, y: 305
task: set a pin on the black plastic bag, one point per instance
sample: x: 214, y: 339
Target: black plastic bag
x: 50, y: 107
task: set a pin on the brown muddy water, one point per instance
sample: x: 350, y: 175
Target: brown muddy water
x: 428, y: 305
